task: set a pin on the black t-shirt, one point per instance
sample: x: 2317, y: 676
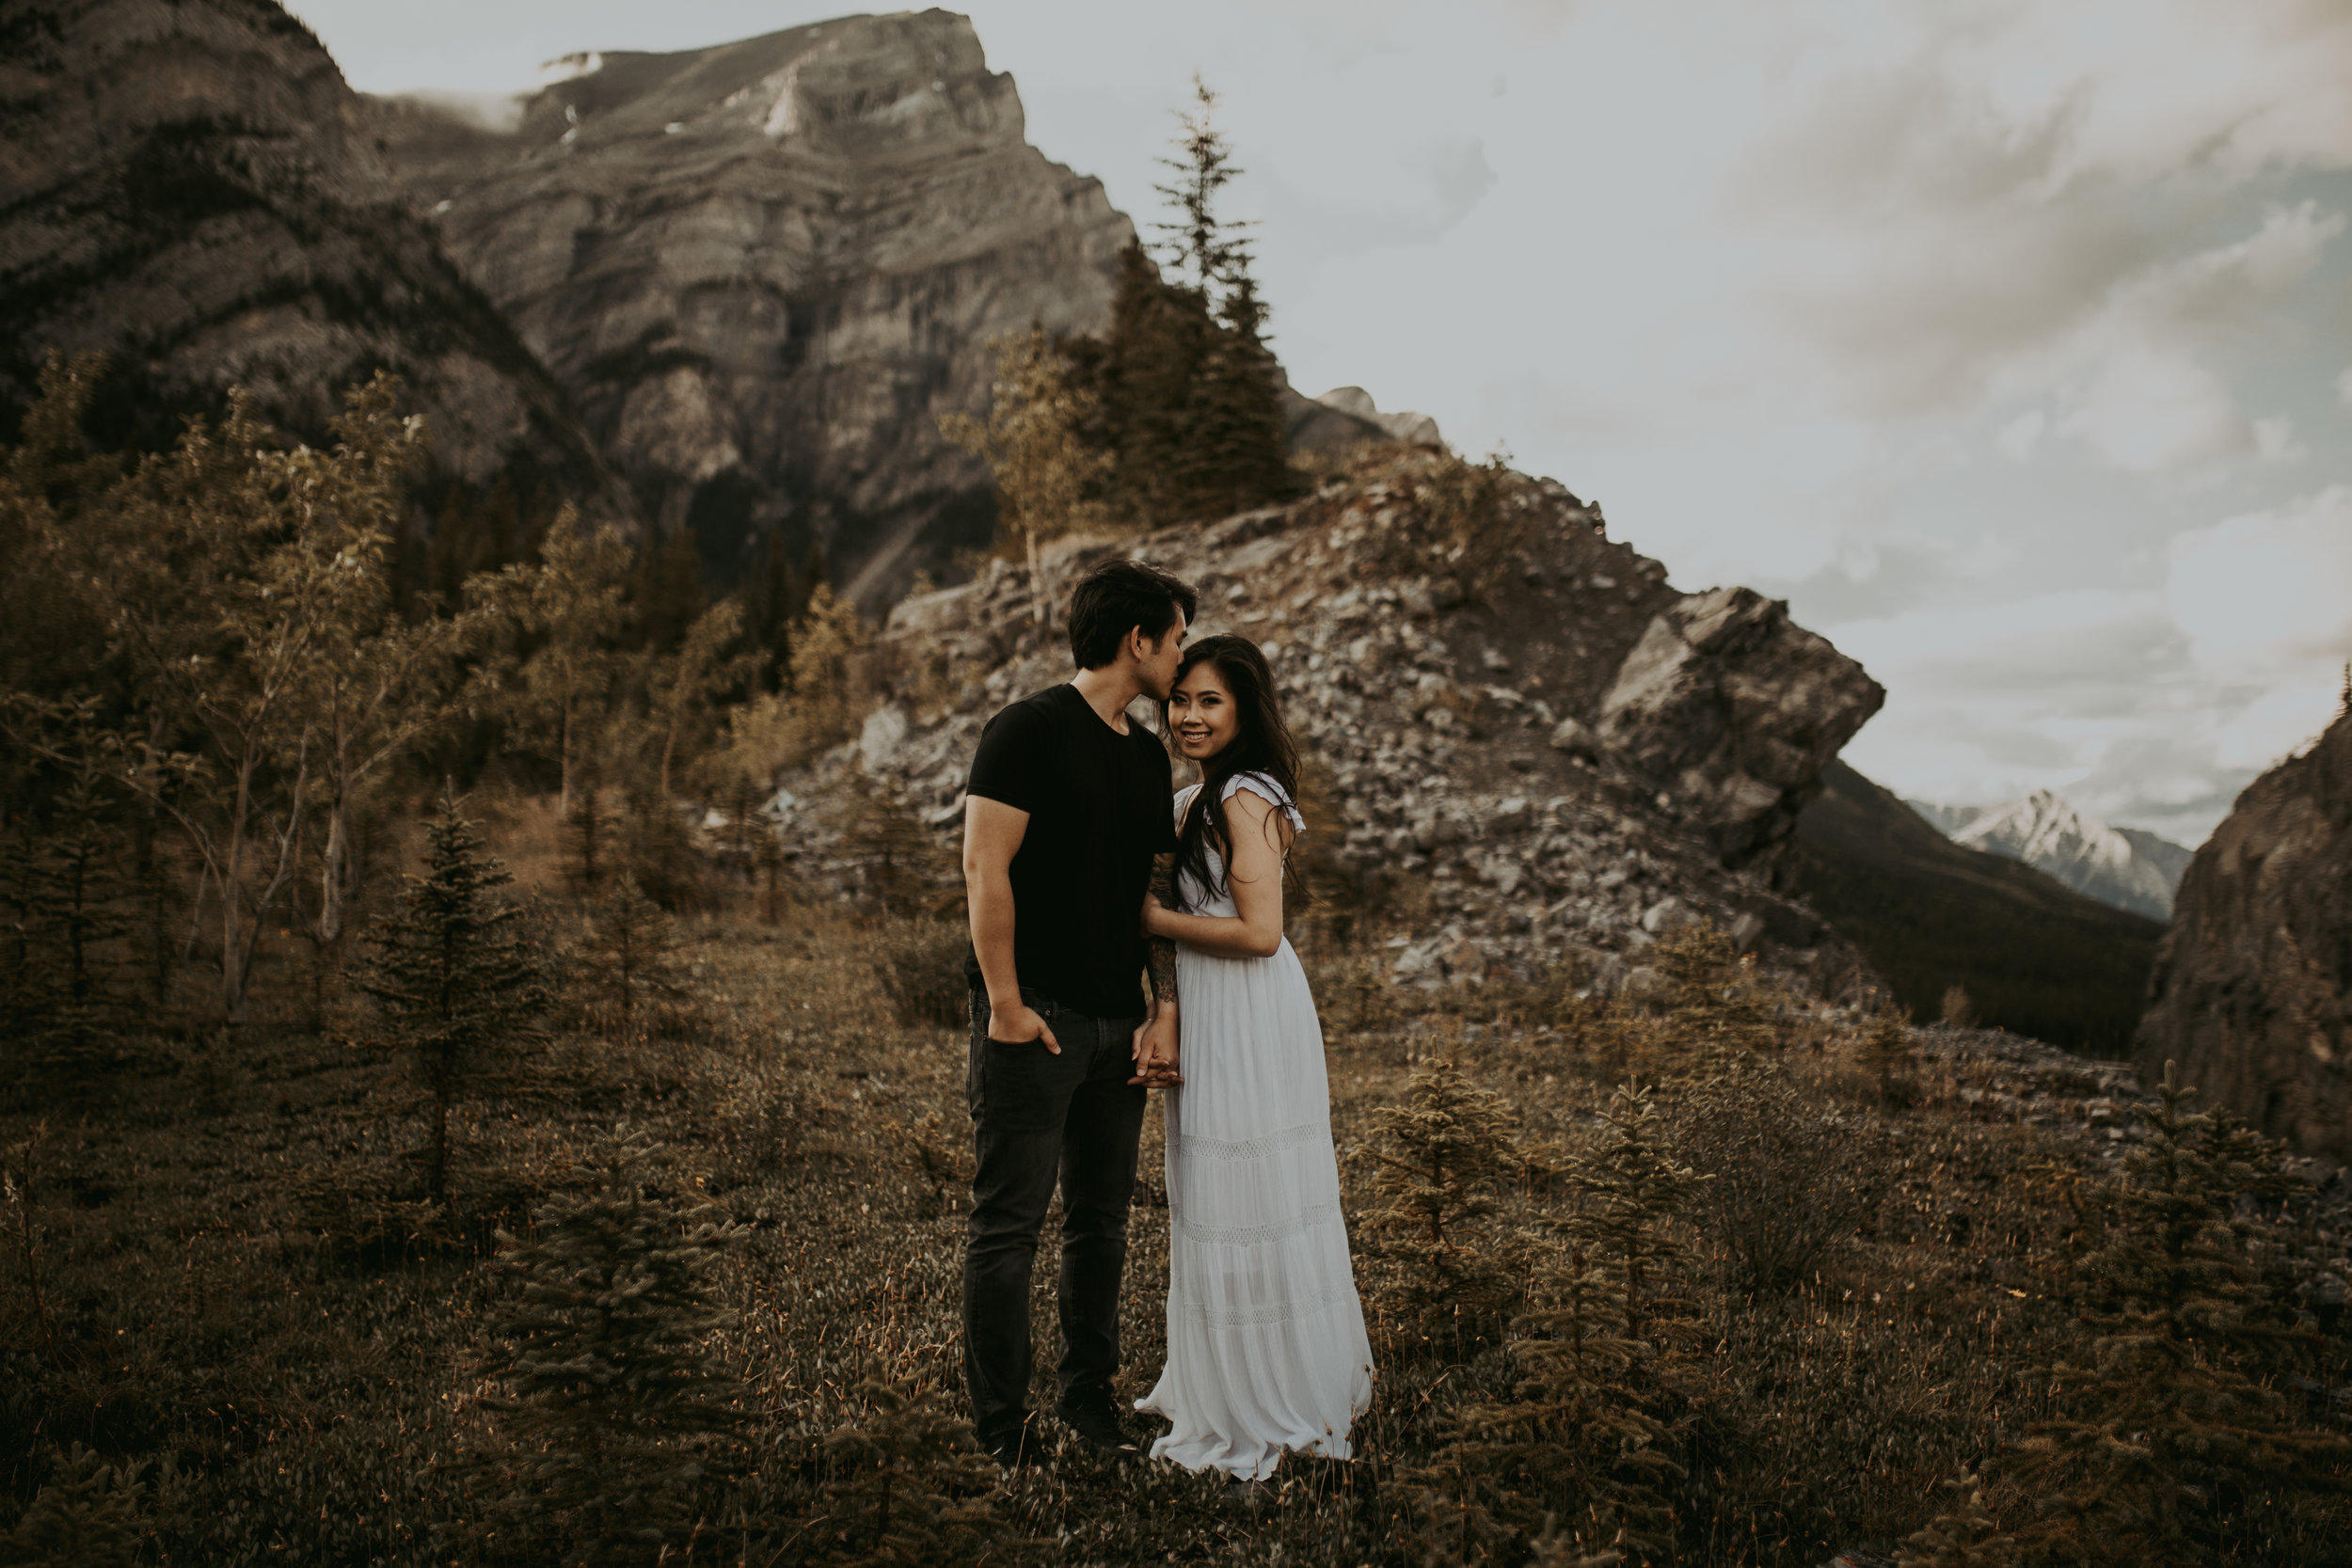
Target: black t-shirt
x: 1100, y: 807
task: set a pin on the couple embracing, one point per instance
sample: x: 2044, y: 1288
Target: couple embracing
x: 1070, y: 829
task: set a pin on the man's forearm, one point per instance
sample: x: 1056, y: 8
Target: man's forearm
x: 1160, y: 953
x: 992, y: 915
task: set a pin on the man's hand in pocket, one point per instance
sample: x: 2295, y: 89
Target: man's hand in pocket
x: 1018, y: 1023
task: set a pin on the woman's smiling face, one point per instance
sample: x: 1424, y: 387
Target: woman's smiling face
x: 1201, y: 713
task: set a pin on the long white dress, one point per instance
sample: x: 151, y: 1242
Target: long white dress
x: 1266, y: 1348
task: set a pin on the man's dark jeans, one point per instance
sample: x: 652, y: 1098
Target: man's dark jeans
x: 1036, y: 1115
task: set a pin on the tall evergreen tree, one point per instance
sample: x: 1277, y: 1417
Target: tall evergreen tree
x: 616, y: 1408
x: 1190, y: 396
x: 455, y: 979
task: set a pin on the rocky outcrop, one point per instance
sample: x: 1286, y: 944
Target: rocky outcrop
x: 189, y: 186
x: 1738, y: 708
x: 2252, y: 989
x: 764, y: 269
x: 1430, y: 721
x: 1403, y: 426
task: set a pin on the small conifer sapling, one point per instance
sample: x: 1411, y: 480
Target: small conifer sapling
x: 455, y: 979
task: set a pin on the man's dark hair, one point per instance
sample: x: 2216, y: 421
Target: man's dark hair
x: 1117, y: 597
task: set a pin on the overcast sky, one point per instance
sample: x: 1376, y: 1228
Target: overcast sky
x: 2011, y: 342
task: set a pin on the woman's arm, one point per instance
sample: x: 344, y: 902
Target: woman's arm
x: 1257, y: 835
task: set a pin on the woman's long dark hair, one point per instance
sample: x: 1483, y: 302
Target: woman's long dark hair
x: 1262, y: 743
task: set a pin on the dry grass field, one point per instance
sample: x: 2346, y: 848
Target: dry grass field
x: 234, y: 1334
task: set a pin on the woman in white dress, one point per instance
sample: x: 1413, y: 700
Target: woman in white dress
x: 1266, y: 1348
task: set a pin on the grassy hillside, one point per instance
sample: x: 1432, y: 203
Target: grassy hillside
x: 2036, y: 956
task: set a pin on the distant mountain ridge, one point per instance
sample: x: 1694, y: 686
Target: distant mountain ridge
x: 2035, y: 956
x: 2126, y: 867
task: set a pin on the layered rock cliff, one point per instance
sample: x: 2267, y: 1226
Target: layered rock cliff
x: 2253, y: 988
x: 1476, y: 753
x: 765, y: 270
x: 189, y: 186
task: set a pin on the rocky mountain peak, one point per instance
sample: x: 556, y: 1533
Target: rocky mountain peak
x: 192, y: 189
x: 764, y: 269
x: 2123, y: 867
x: 861, y: 88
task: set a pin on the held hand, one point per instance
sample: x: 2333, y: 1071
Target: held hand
x: 1018, y: 1025
x: 1155, y: 1049
x: 1153, y: 916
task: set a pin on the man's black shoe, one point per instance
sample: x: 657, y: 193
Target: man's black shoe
x: 1096, y: 1422
x: 1017, y: 1448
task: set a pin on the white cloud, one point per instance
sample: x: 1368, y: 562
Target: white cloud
x: 2146, y: 411
x: 2266, y: 592
x: 2019, y: 437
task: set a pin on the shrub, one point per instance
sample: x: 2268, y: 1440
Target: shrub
x: 1780, y: 1197
x: 920, y: 965
x: 1958, y: 1009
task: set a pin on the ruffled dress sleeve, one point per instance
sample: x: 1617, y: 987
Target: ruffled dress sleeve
x: 1266, y: 789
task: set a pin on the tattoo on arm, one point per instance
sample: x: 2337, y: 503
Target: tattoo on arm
x: 1160, y: 953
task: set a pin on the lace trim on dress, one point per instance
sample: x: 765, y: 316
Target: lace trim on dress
x: 1193, y: 1145
x: 1255, y: 1235
x: 1276, y: 1312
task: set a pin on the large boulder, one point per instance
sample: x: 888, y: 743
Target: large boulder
x: 1734, y: 710
x: 2250, y: 987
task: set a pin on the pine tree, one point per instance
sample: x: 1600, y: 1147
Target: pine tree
x: 87, y: 1515
x: 906, y: 866
x: 631, y: 945
x: 589, y: 830
x: 1884, y: 1051
x: 905, y: 1488
x: 666, y: 590
x: 65, y: 898
x: 1190, y: 397
x: 1713, y: 1009
x: 1968, y: 1537
x: 1634, y: 1192
x: 2179, y: 1446
x: 616, y: 1411
x: 657, y: 846
x: 455, y: 979
x: 1595, y: 1344
x: 1440, y: 1160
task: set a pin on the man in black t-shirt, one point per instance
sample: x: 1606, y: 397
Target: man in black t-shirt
x: 1067, y: 819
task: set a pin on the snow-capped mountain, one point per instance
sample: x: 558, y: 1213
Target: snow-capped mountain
x: 2126, y: 867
